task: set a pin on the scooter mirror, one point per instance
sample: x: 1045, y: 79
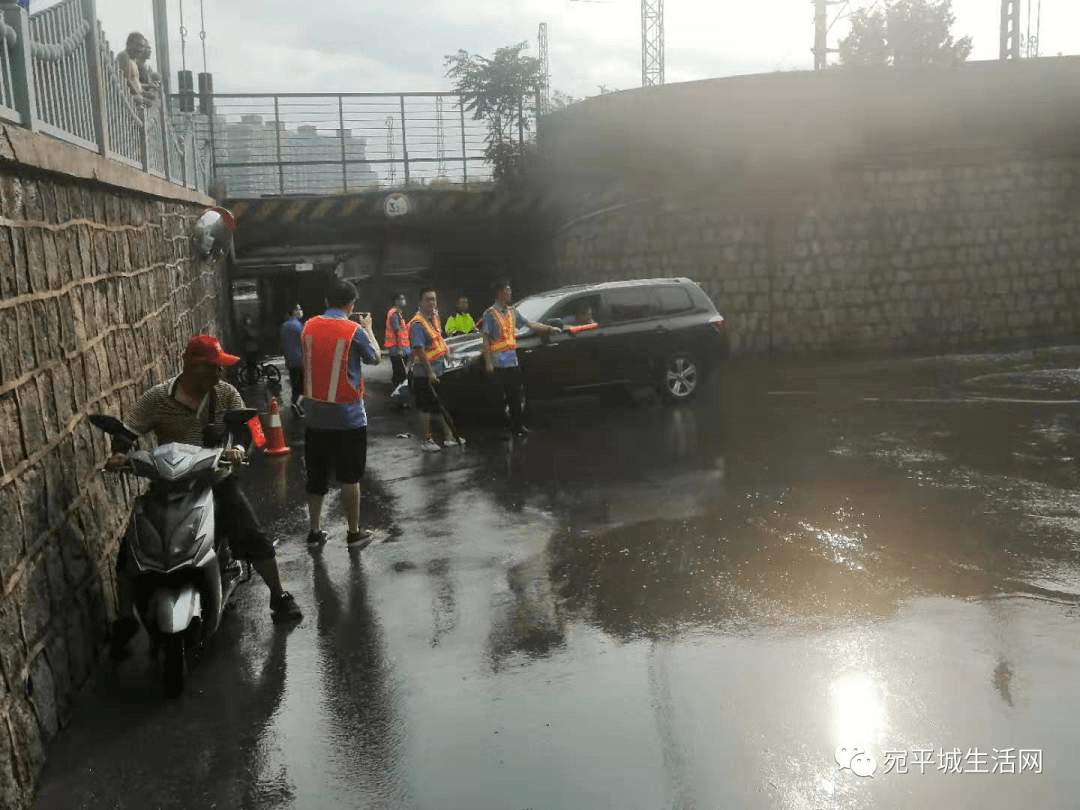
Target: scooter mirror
x: 240, y: 416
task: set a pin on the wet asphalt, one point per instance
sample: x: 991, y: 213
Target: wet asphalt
x: 652, y: 607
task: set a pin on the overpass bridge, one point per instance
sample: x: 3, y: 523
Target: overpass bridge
x: 388, y: 189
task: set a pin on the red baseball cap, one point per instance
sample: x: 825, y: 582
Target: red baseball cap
x: 207, y: 349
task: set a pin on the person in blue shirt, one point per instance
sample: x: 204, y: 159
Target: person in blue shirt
x: 430, y: 353
x: 294, y: 356
x: 499, y: 327
x: 335, y: 436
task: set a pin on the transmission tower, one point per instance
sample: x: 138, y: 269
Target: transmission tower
x: 440, y: 139
x: 391, y: 148
x: 652, y: 42
x: 1010, y: 29
x: 545, y: 73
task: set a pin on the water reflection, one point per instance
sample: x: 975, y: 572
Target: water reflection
x: 529, y: 623
x: 1003, y: 676
x: 125, y: 738
x: 836, y: 550
x: 859, y: 714
x: 365, y: 734
x: 444, y: 604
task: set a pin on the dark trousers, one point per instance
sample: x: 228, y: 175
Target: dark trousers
x: 296, y: 382
x: 509, y: 380
x: 400, y: 372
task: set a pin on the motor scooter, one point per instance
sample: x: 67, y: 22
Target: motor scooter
x: 182, y: 577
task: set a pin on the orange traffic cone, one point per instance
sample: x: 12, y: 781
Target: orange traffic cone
x: 273, y: 430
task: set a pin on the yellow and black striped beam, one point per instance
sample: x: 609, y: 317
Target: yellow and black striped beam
x: 423, y: 204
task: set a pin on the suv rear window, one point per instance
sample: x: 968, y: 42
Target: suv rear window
x: 631, y: 304
x: 674, y: 300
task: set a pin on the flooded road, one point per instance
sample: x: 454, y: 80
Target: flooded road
x: 652, y: 607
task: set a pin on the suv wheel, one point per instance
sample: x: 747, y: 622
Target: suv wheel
x: 682, y: 377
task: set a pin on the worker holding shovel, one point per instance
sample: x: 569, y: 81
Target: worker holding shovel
x: 429, y: 353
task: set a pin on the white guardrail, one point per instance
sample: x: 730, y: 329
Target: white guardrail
x: 59, y: 77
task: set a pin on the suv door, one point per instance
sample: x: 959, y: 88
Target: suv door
x: 563, y: 361
x: 626, y: 338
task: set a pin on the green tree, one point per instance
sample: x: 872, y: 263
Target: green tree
x: 502, y: 92
x: 561, y: 100
x: 905, y: 33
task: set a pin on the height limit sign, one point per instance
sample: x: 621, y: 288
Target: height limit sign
x: 396, y: 205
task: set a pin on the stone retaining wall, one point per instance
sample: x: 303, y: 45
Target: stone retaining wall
x: 98, y: 296
x: 913, y: 255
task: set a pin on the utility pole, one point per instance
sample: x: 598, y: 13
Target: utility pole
x: 652, y: 42
x: 821, y: 32
x: 161, y: 45
x: 1010, y: 29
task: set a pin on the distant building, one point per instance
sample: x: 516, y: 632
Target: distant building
x: 251, y: 140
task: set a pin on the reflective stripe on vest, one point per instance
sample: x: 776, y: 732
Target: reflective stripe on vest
x: 438, y: 345
x: 399, y: 337
x: 327, y: 343
x: 507, y: 332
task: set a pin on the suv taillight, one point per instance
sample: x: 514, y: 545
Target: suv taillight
x: 719, y: 323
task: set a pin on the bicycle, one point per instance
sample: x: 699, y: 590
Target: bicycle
x: 251, y: 372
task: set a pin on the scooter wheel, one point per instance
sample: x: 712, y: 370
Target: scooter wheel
x: 175, y: 664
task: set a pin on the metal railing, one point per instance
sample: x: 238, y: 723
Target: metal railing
x: 319, y: 143
x: 59, y: 77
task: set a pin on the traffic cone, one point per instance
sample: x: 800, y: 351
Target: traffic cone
x: 273, y: 430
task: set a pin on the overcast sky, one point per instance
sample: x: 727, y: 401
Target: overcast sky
x: 398, y: 45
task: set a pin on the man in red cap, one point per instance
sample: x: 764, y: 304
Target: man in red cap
x: 181, y: 410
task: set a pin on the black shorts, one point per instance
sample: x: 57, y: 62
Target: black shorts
x: 340, y: 454
x: 425, y: 396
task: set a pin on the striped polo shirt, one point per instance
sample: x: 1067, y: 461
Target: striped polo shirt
x: 159, y: 411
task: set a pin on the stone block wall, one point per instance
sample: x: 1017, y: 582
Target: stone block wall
x: 912, y: 255
x: 98, y: 296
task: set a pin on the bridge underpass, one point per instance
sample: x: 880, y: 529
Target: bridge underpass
x: 386, y: 242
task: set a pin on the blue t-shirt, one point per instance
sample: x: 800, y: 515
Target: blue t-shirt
x: 397, y: 324
x: 420, y: 339
x: 329, y: 416
x: 290, y: 343
x: 489, y: 326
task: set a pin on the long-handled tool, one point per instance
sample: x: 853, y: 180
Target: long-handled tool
x: 449, y: 419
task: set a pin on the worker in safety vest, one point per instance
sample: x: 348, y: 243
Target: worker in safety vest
x: 429, y: 361
x: 462, y: 323
x: 335, y: 437
x: 499, y: 327
x: 397, y: 340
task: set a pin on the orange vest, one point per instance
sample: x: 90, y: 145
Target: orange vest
x: 394, y: 337
x: 327, y: 343
x: 507, y: 340
x: 438, y: 345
